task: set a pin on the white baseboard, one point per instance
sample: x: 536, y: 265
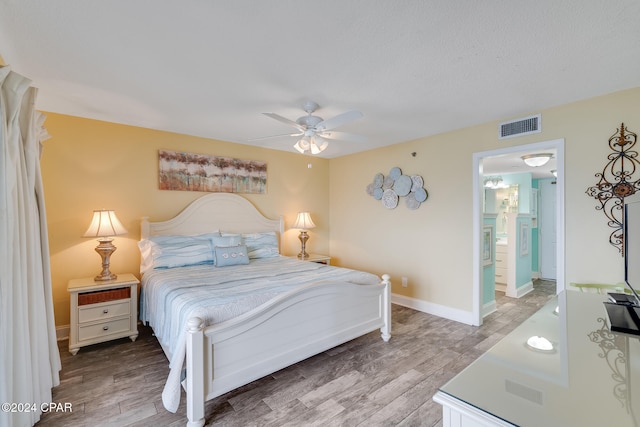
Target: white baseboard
x: 489, y: 308
x: 461, y: 316
x: 522, y: 290
x: 62, y: 332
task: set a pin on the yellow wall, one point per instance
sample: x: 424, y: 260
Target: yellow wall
x: 89, y: 164
x: 432, y: 246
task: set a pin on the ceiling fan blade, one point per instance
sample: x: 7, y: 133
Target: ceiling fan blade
x: 338, y: 120
x: 276, y: 136
x: 284, y: 120
x: 343, y: 136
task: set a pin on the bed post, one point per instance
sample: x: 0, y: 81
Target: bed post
x: 386, y: 308
x: 195, y: 372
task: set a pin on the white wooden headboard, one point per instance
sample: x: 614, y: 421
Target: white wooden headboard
x: 212, y: 212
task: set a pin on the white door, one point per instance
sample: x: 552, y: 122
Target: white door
x: 547, y: 229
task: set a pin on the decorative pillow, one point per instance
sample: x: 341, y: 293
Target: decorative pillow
x: 230, y: 255
x: 176, y: 251
x: 261, y: 245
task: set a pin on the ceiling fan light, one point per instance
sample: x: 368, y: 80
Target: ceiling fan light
x: 537, y: 160
x: 299, y: 148
x: 314, y: 148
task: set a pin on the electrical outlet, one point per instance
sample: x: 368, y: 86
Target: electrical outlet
x: 405, y: 282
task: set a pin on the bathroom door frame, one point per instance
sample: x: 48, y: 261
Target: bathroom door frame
x: 478, y: 188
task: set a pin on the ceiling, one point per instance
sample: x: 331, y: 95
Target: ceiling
x: 414, y: 68
x: 512, y: 163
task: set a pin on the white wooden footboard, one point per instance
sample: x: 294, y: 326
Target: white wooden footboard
x: 286, y: 330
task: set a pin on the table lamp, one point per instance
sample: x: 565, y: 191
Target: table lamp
x: 104, y: 225
x: 303, y: 222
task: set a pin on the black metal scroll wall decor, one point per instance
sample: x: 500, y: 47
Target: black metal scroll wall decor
x: 617, y: 180
x: 388, y: 189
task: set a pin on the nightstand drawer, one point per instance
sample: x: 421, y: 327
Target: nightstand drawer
x: 105, y: 311
x: 103, y: 329
x: 107, y: 295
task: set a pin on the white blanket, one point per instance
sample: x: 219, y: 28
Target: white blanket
x: 172, y: 296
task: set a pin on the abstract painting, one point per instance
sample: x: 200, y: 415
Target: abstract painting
x: 203, y: 172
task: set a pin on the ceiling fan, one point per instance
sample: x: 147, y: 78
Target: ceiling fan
x: 314, y: 131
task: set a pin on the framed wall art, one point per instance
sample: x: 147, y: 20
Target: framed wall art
x: 524, y: 239
x: 487, y: 245
x: 203, y: 172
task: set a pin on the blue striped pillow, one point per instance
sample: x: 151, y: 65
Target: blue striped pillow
x: 181, y: 251
x: 259, y: 245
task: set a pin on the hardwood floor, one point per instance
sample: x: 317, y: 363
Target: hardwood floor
x: 363, y: 382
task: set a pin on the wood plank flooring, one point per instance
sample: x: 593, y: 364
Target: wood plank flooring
x: 363, y: 382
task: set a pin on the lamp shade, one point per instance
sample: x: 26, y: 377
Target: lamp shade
x: 303, y: 221
x: 104, y: 223
x: 536, y: 160
x: 314, y: 144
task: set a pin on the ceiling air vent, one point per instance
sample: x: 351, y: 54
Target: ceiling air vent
x: 520, y: 127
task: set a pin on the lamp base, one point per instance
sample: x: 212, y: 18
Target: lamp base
x: 104, y: 278
x: 105, y: 249
x: 303, y: 240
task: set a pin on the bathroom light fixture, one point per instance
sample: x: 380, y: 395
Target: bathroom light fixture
x: 494, y: 182
x: 536, y: 160
x: 303, y: 222
x: 105, y: 224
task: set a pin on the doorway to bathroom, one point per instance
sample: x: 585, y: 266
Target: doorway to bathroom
x: 554, y: 258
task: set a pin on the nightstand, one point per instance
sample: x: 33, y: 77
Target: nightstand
x: 320, y: 259
x: 102, y: 311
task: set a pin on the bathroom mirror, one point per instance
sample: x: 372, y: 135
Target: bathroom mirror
x: 501, y: 201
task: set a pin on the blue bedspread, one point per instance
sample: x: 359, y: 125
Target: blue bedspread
x: 170, y: 297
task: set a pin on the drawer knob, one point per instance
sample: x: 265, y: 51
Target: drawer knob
x: 105, y: 328
x: 105, y: 311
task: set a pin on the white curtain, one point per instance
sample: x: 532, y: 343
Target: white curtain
x: 29, y: 357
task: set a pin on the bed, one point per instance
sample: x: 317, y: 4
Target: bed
x: 225, y: 325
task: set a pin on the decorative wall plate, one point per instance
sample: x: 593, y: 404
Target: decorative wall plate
x: 417, y: 181
x: 390, y: 188
x: 389, y: 199
x: 411, y: 201
x: 420, y: 194
x: 370, y: 189
x: 377, y: 193
x: 402, y: 185
x: 395, y: 172
x: 377, y: 180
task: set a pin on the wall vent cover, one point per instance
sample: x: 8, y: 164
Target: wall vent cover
x: 524, y: 126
